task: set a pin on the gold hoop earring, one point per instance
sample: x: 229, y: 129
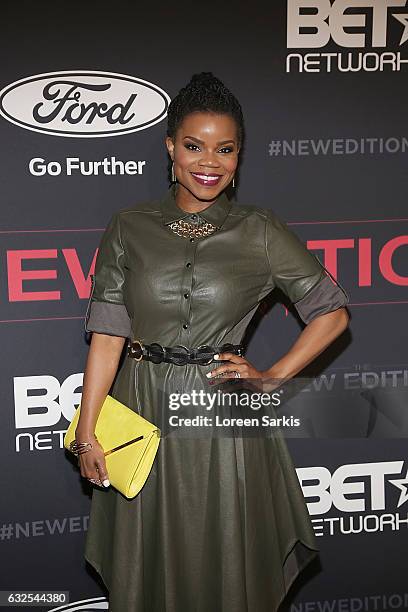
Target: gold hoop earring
x: 173, y: 174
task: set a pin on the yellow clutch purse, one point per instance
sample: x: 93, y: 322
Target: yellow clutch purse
x: 129, y: 441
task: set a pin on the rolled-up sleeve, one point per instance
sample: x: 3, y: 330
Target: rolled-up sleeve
x: 299, y: 273
x: 106, y: 312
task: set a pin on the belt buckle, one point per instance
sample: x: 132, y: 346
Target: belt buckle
x: 205, y: 346
x: 132, y: 351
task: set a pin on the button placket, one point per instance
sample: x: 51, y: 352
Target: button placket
x: 186, y: 291
x: 180, y: 372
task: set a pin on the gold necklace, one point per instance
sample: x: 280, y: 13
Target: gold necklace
x: 192, y: 230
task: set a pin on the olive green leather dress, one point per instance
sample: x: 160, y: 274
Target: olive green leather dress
x: 221, y: 524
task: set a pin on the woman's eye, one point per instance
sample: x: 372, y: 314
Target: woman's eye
x: 193, y: 147
x: 190, y: 144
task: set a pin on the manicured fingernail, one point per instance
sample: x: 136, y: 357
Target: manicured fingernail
x: 217, y: 356
x: 106, y: 483
x: 208, y: 375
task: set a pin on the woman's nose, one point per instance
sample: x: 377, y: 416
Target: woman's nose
x: 209, y: 159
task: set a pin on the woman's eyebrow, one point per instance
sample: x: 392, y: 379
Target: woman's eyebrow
x: 202, y: 141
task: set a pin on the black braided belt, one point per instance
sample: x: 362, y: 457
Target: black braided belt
x: 179, y: 354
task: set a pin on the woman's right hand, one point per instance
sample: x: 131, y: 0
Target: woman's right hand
x: 92, y: 463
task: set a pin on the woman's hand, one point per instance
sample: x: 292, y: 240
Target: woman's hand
x: 92, y: 462
x: 235, y: 363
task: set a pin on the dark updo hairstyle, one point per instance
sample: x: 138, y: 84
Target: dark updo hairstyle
x: 204, y: 93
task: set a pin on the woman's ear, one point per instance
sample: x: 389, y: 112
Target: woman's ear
x: 170, y: 146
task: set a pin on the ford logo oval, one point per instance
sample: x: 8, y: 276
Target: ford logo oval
x: 83, y: 103
x: 84, y: 605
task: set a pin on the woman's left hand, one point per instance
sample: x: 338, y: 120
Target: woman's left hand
x: 234, y: 364
x: 252, y: 378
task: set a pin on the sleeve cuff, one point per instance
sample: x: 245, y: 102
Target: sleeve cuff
x: 324, y: 297
x: 108, y: 318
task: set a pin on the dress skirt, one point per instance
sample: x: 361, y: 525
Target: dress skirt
x: 221, y: 524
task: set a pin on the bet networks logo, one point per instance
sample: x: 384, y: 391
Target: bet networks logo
x: 349, y: 24
x: 360, y: 492
x: 83, y: 103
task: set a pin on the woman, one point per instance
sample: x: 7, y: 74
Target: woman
x: 221, y: 523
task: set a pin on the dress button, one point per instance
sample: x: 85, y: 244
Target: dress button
x: 188, y: 264
x: 191, y: 239
x: 186, y: 295
x: 193, y: 217
x: 185, y: 325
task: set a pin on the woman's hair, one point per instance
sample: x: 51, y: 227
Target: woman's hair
x: 204, y: 93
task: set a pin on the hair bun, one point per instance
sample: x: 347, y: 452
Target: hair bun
x: 204, y: 78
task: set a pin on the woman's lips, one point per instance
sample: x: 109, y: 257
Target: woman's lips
x: 207, y: 180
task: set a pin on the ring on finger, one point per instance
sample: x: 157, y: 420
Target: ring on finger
x: 234, y: 372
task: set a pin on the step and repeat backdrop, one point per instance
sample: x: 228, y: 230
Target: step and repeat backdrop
x: 84, y: 94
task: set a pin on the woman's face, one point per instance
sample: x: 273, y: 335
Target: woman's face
x: 205, y: 153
